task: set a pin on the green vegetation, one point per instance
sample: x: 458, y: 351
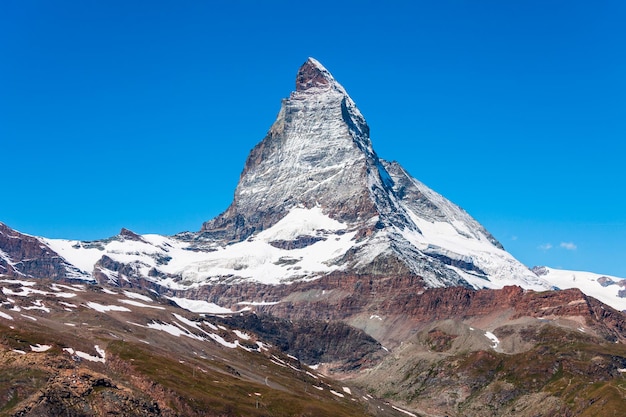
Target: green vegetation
x: 219, y: 389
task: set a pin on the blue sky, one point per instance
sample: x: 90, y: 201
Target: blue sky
x: 140, y: 114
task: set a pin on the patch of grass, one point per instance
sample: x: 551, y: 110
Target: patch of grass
x: 17, y: 383
x: 216, y: 388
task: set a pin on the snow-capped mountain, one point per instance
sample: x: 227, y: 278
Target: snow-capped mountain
x: 313, y: 199
x: 317, y: 161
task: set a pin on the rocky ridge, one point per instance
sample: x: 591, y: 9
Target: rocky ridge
x: 22, y: 255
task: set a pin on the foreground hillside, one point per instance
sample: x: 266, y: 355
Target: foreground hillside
x: 85, y: 350
x: 542, y: 370
x: 79, y: 350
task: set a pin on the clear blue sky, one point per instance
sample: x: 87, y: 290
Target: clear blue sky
x: 140, y: 114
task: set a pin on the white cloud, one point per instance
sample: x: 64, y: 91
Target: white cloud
x: 568, y: 245
x: 545, y: 246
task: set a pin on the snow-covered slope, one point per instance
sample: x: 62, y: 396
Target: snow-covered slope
x: 268, y: 257
x: 608, y: 289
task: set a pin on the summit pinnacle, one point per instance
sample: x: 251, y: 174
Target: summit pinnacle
x: 317, y: 153
x: 313, y: 74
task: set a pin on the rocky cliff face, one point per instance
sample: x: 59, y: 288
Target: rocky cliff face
x: 27, y: 256
x: 391, y: 309
x: 317, y: 153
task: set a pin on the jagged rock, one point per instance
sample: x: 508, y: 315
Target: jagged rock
x: 27, y: 256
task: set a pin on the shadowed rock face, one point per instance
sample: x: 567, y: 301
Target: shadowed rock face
x: 314, y: 341
x: 312, y: 74
x: 28, y: 256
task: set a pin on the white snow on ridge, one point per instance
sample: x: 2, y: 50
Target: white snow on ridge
x: 200, y: 306
x: 588, y: 283
x: 75, y: 253
x: 254, y: 259
x: 7, y: 258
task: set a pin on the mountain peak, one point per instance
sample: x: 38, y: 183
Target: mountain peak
x: 312, y: 74
x: 317, y: 160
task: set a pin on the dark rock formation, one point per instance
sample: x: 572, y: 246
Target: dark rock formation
x: 28, y: 256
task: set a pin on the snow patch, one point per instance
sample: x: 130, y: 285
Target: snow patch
x: 136, y: 296
x: 200, y: 306
x: 494, y: 340
x: 87, y: 356
x: 258, y: 303
x: 40, y: 348
x: 38, y: 305
x: 173, y: 330
x: 63, y: 303
x: 241, y: 335
x: 338, y: 394
x: 5, y: 316
x: 408, y: 413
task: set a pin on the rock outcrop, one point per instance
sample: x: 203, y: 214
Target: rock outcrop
x: 27, y: 256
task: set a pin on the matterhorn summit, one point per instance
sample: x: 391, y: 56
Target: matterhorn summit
x: 317, y: 161
x: 316, y: 154
x: 314, y: 200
